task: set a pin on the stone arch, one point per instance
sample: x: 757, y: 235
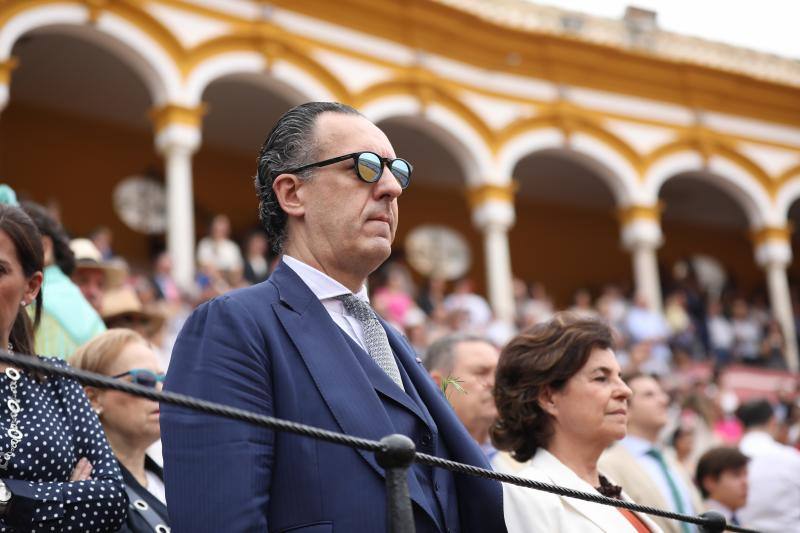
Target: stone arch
x: 732, y: 172
x: 248, y: 54
x: 129, y: 33
x: 607, y: 155
x: 451, y: 123
x: 789, y: 191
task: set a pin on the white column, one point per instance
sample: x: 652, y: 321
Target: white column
x: 493, y: 214
x: 774, y: 254
x: 177, y: 138
x: 641, y: 236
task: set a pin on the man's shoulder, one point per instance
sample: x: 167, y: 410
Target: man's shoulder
x: 254, y: 299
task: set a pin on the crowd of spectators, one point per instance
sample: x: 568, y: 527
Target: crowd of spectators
x: 689, y: 346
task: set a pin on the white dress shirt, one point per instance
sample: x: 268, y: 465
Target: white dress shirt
x: 773, y: 495
x: 639, y: 447
x: 326, y: 289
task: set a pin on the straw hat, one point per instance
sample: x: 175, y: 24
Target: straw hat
x: 87, y: 256
x: 122, y: 308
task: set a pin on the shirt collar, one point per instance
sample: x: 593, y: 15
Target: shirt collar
x: 323, y: 286
x: 714, y: 505
x: 637, y: 445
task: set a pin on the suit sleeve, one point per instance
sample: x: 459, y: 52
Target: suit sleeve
x: 218, y: 471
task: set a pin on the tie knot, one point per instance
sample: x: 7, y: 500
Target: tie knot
x: 655, y: 454
x: 360, y: 309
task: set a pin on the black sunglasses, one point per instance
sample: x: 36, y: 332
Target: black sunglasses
x: 143, y: 377
x: 368, y: 166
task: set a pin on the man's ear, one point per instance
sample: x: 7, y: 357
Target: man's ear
x: 287, y: 191
x: 437, y: 377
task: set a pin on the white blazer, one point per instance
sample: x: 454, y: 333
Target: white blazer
x: 533, y: 511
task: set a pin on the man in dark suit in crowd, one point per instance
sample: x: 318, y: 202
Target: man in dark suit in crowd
x: 306, y: 346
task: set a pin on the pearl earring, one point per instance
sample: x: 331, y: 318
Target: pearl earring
x: 23, y: 303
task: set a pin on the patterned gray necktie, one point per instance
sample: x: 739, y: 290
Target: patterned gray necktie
x: 374, y: 336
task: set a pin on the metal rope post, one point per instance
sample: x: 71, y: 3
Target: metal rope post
x: 396, y: 455
x: 716, y: 522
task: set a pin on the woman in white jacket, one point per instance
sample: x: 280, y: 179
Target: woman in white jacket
x: 561, y: 401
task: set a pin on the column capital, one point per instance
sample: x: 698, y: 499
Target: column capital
x: 491, y: 192
x: 6, y: 67
x: 177, y: 127
x: 641, y: 226
x: 636, y: 212
x: 493, y: 215
x: 773, y: 245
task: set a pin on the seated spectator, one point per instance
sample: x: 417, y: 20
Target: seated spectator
x: 57, y: 468
x: 471, y: 361
x: 219, y: 252
x: 773, y: 346
x: 644, y: 324
x: 478, y: 314
x: 537, y: 309
x: 94, y: 275
x: 102, y: 237
x: 393, y: 300
x: 722, y: 480
x: 166, y: 287
x: 256, y: 265
x: 612, y: 306
x: 560, y: 402
x: 639, y: 463
x: 130, y: 423
x: 773, y: 475
x: 68, y: 320
x: 720, y: 333
x: 682, y: 334
x: 746, y: 333
x: 582, y: 304
x: 123, y: 309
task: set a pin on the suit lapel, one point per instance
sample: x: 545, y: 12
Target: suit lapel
x: 607, y: 518
x: 339, y: 378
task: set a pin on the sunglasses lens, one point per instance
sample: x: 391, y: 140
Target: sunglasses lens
x: 401, y: 170
x: 145, y: 378
x: 369, y: 167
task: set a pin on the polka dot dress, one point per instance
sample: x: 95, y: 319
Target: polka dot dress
x: 59, y: 427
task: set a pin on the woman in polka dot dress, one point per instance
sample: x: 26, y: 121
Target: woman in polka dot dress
x: 57, y: 472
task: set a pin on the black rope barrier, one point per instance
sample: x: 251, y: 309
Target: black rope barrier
x: 711, y: 522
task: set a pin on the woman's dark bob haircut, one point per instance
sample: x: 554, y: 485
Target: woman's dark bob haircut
x: 545, y: 356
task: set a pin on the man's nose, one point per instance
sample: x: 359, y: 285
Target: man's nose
x: 388, y: 185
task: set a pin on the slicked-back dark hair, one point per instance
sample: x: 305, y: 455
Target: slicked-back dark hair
x: 289, y: 145
x: 546, y: 355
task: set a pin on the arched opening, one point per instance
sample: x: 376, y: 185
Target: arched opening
x: 702, y: 218
x: 76, y: 126
x: 436, y: 195
x: 241, y: 110
x: 567, y: 235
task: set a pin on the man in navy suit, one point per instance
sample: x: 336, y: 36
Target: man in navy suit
x: 305, y: 346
